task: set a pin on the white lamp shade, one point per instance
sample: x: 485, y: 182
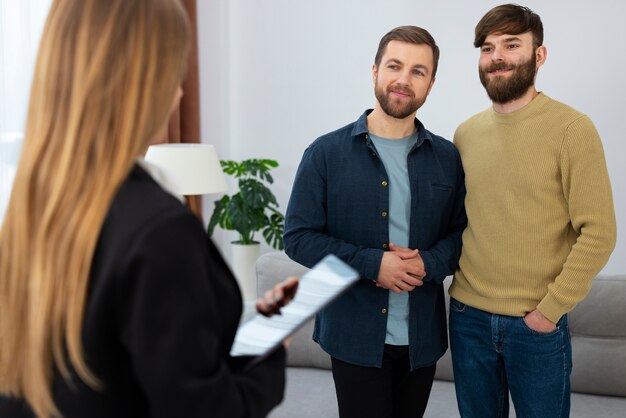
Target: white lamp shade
x: 193, y: 168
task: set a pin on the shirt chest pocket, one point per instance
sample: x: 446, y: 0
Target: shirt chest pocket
x: 436, y: 204
x: 440, y: 189
x: 440, y: 194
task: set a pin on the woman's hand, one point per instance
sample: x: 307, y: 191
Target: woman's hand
x: 277, y: 297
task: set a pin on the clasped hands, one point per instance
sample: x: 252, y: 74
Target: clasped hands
x: 401, y: 269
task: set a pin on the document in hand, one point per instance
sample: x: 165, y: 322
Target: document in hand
x: 318, y: 287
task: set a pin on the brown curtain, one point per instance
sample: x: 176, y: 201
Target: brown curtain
x: 184, y: 125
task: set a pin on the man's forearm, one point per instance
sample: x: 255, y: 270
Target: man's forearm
x: 308, y: 247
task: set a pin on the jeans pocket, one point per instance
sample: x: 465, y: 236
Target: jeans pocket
x: 457, y: 306
x: 535, y: 332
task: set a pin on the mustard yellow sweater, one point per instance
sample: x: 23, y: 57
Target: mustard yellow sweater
x: 539, y: 206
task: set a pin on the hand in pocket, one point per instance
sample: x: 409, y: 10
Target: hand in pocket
x: 536, y: 321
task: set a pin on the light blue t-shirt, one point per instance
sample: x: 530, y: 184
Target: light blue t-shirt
x: 393, y: 153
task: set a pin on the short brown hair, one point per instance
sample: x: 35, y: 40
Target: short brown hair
x: 412, y: 35
x: 512, y: 19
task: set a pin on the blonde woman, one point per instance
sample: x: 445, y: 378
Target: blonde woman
x: 113, y: 302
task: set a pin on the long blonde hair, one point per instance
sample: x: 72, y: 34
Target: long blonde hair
x: 105, y: 77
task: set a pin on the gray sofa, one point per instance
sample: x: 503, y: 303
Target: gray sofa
x: 598, y: 328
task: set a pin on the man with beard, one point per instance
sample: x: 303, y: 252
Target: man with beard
x: 541, y: 225
x: 368, y: 192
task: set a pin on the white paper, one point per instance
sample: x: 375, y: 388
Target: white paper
x: 318, y: 287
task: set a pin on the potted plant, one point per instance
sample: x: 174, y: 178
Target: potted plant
x: 252, y: 209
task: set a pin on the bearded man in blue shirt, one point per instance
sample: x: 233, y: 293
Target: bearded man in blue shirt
x: 386, y: 196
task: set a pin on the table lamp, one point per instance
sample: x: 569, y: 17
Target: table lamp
x: 194, y: 168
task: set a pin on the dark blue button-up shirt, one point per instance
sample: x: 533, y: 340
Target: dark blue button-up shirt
x: 336, y: 207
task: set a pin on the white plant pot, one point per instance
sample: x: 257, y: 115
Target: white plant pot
x: 244, y: 267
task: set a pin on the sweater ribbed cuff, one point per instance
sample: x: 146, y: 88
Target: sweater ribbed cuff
x: 551, y: 309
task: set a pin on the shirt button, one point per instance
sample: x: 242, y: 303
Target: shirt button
x: 385, y: 245
x: 383, y: 214
x: 383, y: 311
x: 384, y: 183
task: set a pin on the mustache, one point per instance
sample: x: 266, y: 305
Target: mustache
x: 401, y: 89
x: 499, y: 66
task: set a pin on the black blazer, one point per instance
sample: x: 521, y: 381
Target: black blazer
x: 159, y: 322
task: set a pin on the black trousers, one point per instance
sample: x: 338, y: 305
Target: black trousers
x: 392, y: 391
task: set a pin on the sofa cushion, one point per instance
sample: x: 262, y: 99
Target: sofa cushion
x: 598, y: 329
x: 597, y: 326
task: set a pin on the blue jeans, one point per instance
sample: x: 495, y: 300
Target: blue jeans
x: 494, y: 354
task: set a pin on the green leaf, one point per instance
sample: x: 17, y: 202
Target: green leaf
x: 273, y: 232
x: 218, y: 214
x: 245, y: 211
x: 240, y: 216
x: 230, y: 167
x: 256, y: 194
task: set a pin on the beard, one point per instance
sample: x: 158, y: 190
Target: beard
x: 502, y: 90
x: 396, y: 108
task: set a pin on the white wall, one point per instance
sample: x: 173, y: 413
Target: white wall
x: 21, y: 24
x: 276, y: 74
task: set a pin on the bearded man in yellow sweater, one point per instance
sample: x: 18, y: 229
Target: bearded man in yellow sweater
x: 541, y: 226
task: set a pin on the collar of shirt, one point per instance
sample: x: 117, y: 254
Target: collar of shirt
x: 360, y: 129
